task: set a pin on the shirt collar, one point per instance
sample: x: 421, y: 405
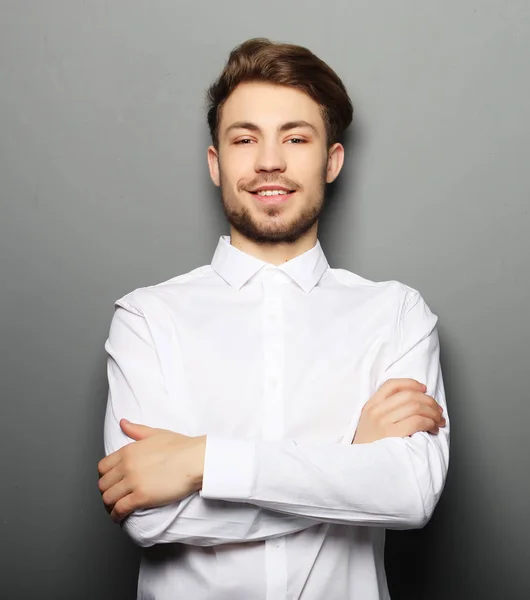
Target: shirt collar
x: 237, y: 267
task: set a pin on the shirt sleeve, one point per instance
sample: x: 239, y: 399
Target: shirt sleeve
x: 393, y: 482
x: 138, y: 392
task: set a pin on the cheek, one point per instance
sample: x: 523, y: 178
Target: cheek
x: 236, y: 169
x: 309, y: 172
x: 308, y: 159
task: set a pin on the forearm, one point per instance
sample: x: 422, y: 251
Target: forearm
x: 196, y: 521
x: 137, y: 392
x: 393, y: 483
x: 199, y: 522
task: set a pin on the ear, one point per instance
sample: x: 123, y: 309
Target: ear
x: 335, y: 162
x: 213, y: 165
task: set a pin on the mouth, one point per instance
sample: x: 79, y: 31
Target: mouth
x: 272, y: 194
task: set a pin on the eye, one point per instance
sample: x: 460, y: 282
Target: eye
x: 296, y: 140
x: 243, y: 141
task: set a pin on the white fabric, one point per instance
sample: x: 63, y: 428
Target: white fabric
x: 274, y: 365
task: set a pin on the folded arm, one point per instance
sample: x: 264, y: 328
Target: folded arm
x: 393, y: 482
x: 138, y: 392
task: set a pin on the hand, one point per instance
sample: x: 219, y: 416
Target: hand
x: 399, y: 408
x: 160, y: 467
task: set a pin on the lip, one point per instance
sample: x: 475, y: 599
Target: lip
x: 268, y: 188
x: 278, y: 199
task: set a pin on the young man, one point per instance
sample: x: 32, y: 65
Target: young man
x: 281, y: 413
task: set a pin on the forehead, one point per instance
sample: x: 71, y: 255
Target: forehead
x: 269, y: 105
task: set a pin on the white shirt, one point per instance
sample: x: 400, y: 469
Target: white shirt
x: 274, y: 365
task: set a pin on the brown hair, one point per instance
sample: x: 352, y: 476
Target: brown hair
x: 260, y: 60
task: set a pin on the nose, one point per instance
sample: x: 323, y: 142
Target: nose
x: 270, y: 158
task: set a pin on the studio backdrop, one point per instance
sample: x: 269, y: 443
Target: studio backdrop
x: 104, y: 188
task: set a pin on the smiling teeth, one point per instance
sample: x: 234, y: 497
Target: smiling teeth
x: 271, y: 192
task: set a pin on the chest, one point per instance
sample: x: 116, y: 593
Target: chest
x: 277, y: 368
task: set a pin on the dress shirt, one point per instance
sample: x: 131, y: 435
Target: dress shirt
x: 274, y: 364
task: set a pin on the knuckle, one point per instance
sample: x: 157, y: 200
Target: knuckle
x: 127, y: 464
x: 394, y: 383
x: 376, y: 414
x: 123, y: 507
x: 418, y: 422
x: 135, y: 496
x: 430, y: 423
x: 132, y: 483
x: 139, y: 498
x: 127, y: 506
x: 369, y: 408
x: 368, y: 411
x: 415, y: 397
x: 388, y: 385
x: 401, y: 397
x: 119, y: 511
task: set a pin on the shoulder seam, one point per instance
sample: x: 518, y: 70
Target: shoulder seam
x: 408, y: 304
x: 124, y: 301
x: 128, y: 306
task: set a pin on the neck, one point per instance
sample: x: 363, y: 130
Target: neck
x: 275, y: 253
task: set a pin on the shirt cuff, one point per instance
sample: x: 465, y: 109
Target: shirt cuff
x: 228, y: 469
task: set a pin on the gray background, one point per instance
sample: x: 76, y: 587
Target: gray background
x: 104, y: 188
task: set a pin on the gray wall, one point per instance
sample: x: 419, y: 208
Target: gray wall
x: 104, y: 188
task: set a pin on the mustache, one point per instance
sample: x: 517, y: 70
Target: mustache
x: 271, y: 179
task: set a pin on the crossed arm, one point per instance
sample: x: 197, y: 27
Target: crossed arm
x: 137, y: 392
x: 255, y: 490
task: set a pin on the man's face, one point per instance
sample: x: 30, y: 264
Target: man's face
x: 272, y: 162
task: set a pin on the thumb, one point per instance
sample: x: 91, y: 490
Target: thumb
x: 136, y: 431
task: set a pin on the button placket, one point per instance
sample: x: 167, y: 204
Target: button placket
x: 273, y: 351
x: 273, y: 426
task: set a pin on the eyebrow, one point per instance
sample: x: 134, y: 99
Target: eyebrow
x: 283, y: 128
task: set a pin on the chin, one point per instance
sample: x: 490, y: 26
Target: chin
x: 273, y: 225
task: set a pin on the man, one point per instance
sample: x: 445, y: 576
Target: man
x: 280, y: 413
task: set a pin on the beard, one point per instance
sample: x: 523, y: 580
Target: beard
x: 272, y: 229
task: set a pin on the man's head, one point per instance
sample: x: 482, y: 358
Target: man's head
x: 275, y: 114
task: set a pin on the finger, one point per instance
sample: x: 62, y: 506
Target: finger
x: 392, y: 386
x: 114, y: 494
x: 413, y: 398
x: 109, y: 462
x: 111, y: 478
x: 412, y: 425
x: 417, y: 404
x: 123, y: 508
x: 137, y: 431
x: 406, y: 401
